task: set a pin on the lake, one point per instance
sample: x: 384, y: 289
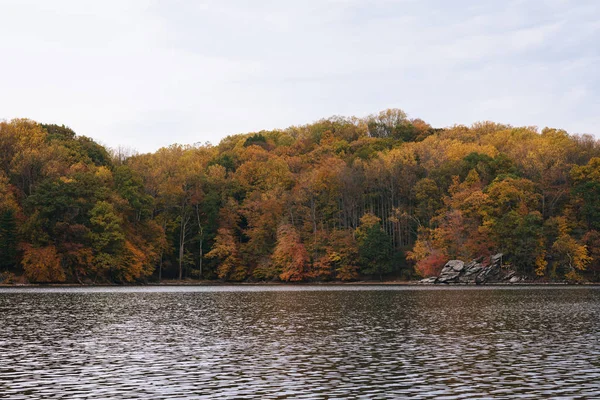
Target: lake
x: 300, y: 342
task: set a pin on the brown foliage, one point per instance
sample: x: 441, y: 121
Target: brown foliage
x: 42, y: 264
x: 290, y: 255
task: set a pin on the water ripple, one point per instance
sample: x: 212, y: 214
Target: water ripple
x: 299, y: 342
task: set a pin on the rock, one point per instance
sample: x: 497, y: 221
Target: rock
x: 431, y: 280
x: 470, y: 272
x: 456, y: 271
x: 456, y: 265
x: 481, y: 277
x: 472, y: 268
x: 446, y: 270
x: 451, y: 271
x: 509, y: 275
x: 448, y: 278
x: 496, y: 259
x: 488, y: 273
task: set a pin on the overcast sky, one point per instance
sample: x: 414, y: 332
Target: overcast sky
x: 147, y: 74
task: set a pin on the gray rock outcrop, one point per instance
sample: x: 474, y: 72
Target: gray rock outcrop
x: 451, y: 271
x: 475, y: 272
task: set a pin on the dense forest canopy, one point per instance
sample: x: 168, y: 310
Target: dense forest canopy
x: 340, y: 199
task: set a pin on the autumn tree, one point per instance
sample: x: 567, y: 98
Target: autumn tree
x: 515, y: 223
x: 392, y: 123
x: 586, y: 192
x: 226, y: 251
x: 591, y: 240
x: 340, y: 258
x: 226, y: 247
x: 290, y: 256
x: 458, y: 230
x: 569, y: 257
x: 8, y: 224
x: 328, y: 200
x: 42, y: 264
x: 106, y: 237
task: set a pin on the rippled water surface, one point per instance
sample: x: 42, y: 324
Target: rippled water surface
x: 300, y: 342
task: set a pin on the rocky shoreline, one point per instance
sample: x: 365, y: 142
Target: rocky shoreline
x: 476, y: 273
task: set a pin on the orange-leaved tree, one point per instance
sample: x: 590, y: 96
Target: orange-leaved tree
x: 290, y: 255
x: 42, y: 264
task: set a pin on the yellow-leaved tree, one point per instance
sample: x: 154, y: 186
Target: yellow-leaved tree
x: 569, y: 254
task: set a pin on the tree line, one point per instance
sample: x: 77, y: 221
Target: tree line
x: 379, y: 197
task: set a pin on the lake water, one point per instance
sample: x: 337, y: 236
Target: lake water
x: 300, y: 342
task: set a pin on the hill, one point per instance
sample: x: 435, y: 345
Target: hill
x: 338, y: 199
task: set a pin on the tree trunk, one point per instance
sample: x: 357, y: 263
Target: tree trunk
x: 180, y: 261
x: 201, y: 234
x: 182, y: 237
x: 160, y: 267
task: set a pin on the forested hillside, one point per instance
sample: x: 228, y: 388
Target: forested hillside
x: 340, y: 199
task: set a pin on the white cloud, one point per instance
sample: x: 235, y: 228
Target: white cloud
x: 149, y: 73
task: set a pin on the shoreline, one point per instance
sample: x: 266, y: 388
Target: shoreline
x: 170, y: 283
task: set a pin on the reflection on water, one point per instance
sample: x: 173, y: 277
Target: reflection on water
x: 300, y: 342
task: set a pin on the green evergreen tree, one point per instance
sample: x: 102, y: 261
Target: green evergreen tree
x: 8, y: 239
x: 374, y: 247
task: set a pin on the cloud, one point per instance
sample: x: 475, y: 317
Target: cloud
x: 149, y: 73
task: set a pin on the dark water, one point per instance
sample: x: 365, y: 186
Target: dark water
x: 300, y: 342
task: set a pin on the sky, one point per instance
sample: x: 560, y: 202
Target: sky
x: 146, y: 74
